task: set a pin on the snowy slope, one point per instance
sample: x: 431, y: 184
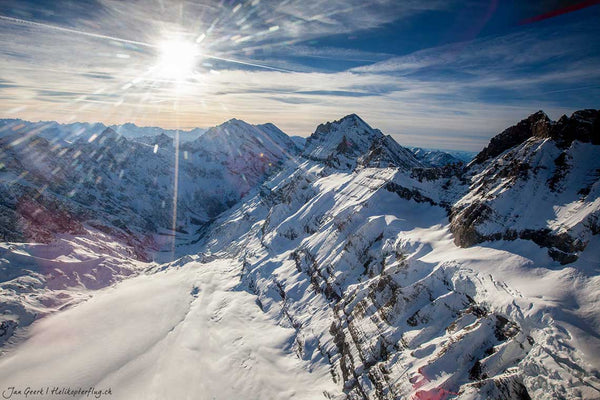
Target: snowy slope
x: 171, y: 334
x: 374, y: 286
x: 39, y: 279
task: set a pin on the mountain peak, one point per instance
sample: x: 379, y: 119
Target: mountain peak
x: 350, y: 120
x: 109, y: 133
x: 352, y: 117
x: 583, y: 125
x: 538, y: 114
x: 537, y: 124
x: 233, y: 122
x: 347, y: 138
x: 350, y: 142
x: 236, y: 137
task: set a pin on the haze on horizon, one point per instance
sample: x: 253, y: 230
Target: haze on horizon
x: 441, y: 75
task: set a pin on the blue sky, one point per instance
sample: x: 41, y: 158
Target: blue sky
x: 439, y: 74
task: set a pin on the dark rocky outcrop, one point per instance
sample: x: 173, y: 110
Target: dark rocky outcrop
x: 463, y: 223
x: 409, y: 194
x: 537, y: 124
x: 443, y: 172
x: 582, y: 125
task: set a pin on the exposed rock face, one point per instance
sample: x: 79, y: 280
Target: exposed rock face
x: 385, y: 152
x: 464, y: 222
x: 443, y: 172
x: 583, y: 126
x: 537, y: 124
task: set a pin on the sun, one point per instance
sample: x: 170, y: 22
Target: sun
x: 177, y: 59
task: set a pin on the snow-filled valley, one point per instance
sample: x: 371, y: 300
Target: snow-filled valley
x: 179, y: 332
x: 347, y: 268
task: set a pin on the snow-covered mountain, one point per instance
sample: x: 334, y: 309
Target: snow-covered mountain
x: 55, y: 131
x: 538, y: 181
x: 434, y: 158
x: 132, y: 131
x: 350, y: 271
x: 51, y: 187
x: 351, y: 142
x: 363, y: 266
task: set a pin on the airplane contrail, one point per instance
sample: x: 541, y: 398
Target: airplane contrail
x: 231, y: 60
x: 62, y: 29
x: 135, y: 42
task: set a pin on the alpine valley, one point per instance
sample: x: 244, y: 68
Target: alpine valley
x: 237, y: 262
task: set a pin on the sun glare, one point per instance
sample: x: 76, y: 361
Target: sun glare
x: 177, y: 59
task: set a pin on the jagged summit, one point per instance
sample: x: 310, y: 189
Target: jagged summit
x: 234, y: 121
x: 109, y: 135
x: 349, y: 121
x: 350, y: 141
x: 583, y: 125
x: 537, y: 124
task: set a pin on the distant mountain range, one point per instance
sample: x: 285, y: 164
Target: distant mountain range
x: 54, y: 131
